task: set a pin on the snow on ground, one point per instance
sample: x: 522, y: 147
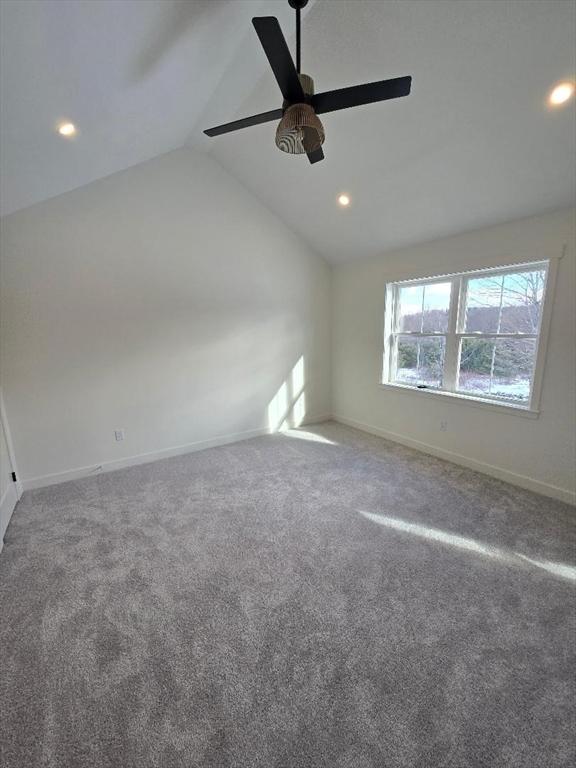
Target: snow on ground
x: 473, y: 384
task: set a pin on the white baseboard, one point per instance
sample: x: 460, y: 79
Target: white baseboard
x: 145, y: 458
x: 7, y: 504
x: 546, y: 489
x: 141, y: 458
x: 317, y: 419
x: 523, y: 481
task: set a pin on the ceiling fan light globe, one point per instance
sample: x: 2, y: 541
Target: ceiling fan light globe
x: 299, y: 131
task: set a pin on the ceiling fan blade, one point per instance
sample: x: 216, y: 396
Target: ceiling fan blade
x: 316, y: 155
x: 245, y: 122
x: 330, y: 101
x: 275, y: 47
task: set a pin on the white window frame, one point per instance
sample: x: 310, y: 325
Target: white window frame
x: 455, y: 333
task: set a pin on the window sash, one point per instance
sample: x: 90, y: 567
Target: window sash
x: 455, y: 333
x: 396, y: 340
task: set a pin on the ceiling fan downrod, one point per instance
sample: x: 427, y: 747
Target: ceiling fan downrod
x: 297, y: 5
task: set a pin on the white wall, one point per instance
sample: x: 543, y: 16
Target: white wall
x: 167, y: 301
x: 539, y: 454
x: 164, y: 300
x: 5, y: 469
x: 9, y: 490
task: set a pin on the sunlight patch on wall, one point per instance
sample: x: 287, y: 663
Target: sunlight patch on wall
x: 278, y: 408
x: 297, y: 376
x: 288, y: 406
x: 299, y: 410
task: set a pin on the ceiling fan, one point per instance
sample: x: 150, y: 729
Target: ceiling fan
x: 300, y: 130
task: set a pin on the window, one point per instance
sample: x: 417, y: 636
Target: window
x: 474, y: 334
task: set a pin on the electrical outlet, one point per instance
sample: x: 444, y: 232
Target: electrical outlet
x: 443, y: 426
x: 119, y: 435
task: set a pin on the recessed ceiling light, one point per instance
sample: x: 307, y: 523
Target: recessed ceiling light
x: 67, y: 129
x: 343, y: 200
x: 561, y: 93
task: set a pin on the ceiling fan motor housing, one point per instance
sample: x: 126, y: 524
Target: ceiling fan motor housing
x: 300, y: 131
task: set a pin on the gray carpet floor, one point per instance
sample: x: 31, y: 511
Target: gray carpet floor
x: 323, y: 598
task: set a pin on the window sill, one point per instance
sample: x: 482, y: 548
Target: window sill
x: 491, y: 405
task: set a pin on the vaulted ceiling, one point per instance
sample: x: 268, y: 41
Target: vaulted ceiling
x: 474, y: 144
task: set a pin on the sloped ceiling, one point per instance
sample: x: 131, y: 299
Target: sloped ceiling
x: 135, y: 76
x: 474, y: 144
